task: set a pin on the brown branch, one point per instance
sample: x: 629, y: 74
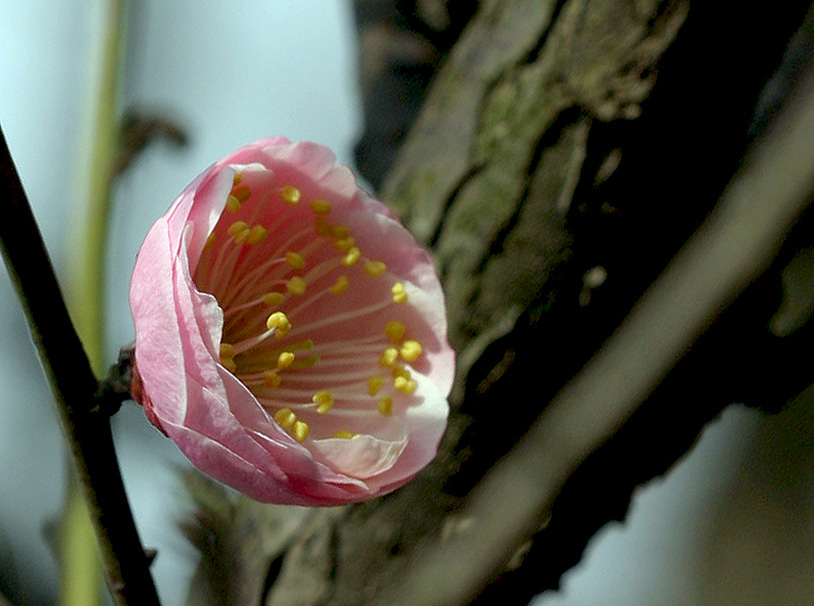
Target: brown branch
x: 730, y: 251
x: 77, y: 393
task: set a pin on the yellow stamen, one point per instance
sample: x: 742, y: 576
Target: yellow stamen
x: 296, y: 285
x: 324, y: 400
x: 389, y: 357
x: 227, y: 355
x: 257, y: 234
x: 385, y: 406
x: 285, y: 359
x: 345, y: 244
x: 395, y: 330
x: 400, y: 371
x: 232, y: 204
x: 271, y: 379
x: 290, y: 194
x: 399, y: 294
x: 374, y: 384
x: 210, y: 241
x: 280, y: 322
x: 351, y: 257
x: 321, y: 207
x: 340, y: 286
x: 345, y: 434
x: 404, y: 385
x: 238, y: 227
x: 321, y: 227
x: 241, y: 193
x: 285, y: 417
x: 410, y: 350
x: 273, y: 299
x: 338, y: 232
x: 295, y: 259
x: 238, y: 178
x: 374, y: 268
x: 300, y: 430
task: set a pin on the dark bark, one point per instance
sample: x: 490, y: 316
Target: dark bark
x: 563, y: 154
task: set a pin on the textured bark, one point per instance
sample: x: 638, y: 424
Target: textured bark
x: 563, y: 153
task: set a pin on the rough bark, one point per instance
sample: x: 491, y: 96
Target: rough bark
x: 563, y: 154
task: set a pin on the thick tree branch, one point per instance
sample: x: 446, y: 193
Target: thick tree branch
x: 730, y: 251
x: 86, y: 426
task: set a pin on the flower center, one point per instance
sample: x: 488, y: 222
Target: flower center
x: 316, y: 329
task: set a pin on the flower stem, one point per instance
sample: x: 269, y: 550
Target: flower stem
x: 76, y: 389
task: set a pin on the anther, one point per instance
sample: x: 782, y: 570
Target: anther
x: 345, y: 244
x: 374, y: 268
x: 296, y: 285
x: 374, y: 384
x: 271, y: 379
x: 300, y: 430
x: 324, y: 400
x: 241, y: 193
x: 404, y: 385
x: 232, y: 204
x: 280, y: 322
x: 237, y: 179
x: 399, y: 294
x: 285, y: 359
x: 345, y: 434
x: 227, y: 355
x: 340, y: 286
x: 295, y: 259
x: 410, y: 350
x: 257, y: 234
x: 389, y: 357
x: 238, y: 227
x: 339, y: 232
x: 210, y: 241
x: 273, y: 299
x: 400, y: 371
x: 285, y: 417
x: 351, y: 257
x: 395, y: 330
x: 321, y: 207
x: 385, y: 406
x: 290, y: 194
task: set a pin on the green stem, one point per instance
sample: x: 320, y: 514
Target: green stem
x: 87, y: 269
x: 80, y: 574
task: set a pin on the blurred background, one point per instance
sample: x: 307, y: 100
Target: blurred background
x: 228, y: 73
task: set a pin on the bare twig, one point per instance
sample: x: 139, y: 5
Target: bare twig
x: 75, y: 387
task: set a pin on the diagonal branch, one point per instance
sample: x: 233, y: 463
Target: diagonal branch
x: 86, y: 428
x: 730, y: 251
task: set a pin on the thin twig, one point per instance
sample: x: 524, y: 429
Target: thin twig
x: 75, y: 387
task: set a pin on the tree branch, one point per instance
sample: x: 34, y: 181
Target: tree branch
x: 730, y: 251
x: 76, y: 390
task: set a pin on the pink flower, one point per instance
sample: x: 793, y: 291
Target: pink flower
x: 290, y: 333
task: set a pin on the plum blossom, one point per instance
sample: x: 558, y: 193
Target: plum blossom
x: 290, y: 333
